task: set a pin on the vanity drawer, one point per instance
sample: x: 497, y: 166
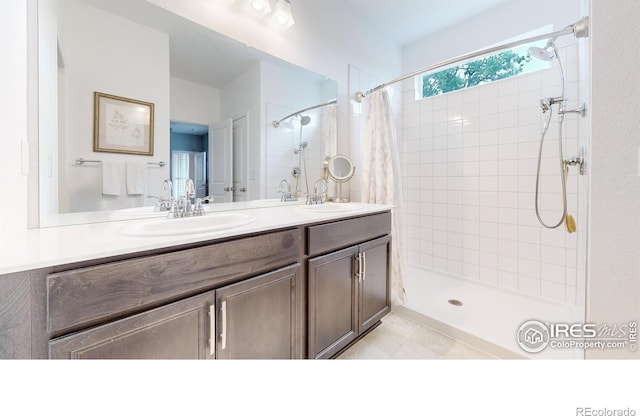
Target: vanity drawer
x: 335, y: 235
x: 83, y: 297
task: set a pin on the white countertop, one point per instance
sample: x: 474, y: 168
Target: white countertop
x: 45, y: 247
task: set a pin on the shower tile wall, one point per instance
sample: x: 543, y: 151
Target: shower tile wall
x: 469, y: 165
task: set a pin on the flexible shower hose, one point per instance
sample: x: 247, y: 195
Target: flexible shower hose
x: 562, y: 170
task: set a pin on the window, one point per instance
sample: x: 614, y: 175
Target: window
x: 489, y: 68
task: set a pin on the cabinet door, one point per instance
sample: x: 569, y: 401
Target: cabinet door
x: 375, y: 298
x: 258, y: 317
x: 179, y: 330
x: 332, y: 319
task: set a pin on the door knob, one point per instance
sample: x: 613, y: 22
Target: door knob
x: 228, y: 188
x: 243, y: 189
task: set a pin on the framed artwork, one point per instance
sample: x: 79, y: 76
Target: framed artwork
x: 122, y: 125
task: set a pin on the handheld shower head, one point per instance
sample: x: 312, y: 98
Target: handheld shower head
x: 547, y: 53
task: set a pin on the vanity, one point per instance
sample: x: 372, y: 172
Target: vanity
x: 292, y: 284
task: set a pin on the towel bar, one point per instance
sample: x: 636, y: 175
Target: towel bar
x: 81, y: 161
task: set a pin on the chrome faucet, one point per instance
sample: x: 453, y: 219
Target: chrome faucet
x: 189, y: 193
x: 167, y: 184
x: 318, y: 197
x: 162, y: 203
x: 185, y: 206
x: 286, y: 195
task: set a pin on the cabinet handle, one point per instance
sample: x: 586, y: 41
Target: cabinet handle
x: 212, y: 330
x: 359, y: 274
x: 364, y: 265
x: 223, y: 334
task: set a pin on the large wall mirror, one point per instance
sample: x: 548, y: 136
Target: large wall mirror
x: 214, y: 102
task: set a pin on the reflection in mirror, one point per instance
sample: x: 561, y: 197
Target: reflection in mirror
x: 214, y: 98
x: 297, y: 144
x: 340, y: 169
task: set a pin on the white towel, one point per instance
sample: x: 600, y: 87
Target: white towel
x: 112, y: 174
x: 136, y: 178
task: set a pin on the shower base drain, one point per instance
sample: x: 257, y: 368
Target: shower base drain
x: 454, y: 302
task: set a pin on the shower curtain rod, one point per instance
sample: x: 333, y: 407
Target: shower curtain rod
x: 580, y: 29
x: 276, y: 124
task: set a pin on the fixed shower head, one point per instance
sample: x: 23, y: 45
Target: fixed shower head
x: 304, y: 120
x: 547, y: 53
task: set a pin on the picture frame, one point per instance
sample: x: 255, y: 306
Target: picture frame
x: 122, y: 125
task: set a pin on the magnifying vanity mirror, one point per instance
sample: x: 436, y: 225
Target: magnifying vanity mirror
x: 214, y: 100
x: 340, y: 169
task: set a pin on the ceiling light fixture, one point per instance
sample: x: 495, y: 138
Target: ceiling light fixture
x: 262, y: 7
x: 282, y: 14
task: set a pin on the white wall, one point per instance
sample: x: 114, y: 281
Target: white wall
x: 13, y: 116
x: 97, y: 58
x: 194, y: 103
x: 614, y: 264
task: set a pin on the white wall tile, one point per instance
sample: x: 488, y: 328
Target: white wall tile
x: 507, y: 263
x: 553, y: 290
x: 508, y: 280
x: 529, y: 285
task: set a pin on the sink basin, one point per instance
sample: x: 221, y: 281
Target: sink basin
x: 192, y: 225
x: 330, y: 207
x: 272, y: 202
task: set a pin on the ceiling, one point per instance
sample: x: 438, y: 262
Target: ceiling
x: 406, y: 21
x: 188, y: 128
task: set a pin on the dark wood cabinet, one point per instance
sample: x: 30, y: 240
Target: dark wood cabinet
x: 333, y: 302
x: 259, y: 317
x: 180, y: 330
x: 348, y: 294
x: 375, y: 301
x: 256, y: 318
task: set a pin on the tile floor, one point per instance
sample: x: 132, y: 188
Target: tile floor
x: 399, y: 337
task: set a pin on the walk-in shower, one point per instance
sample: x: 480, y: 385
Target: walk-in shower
x: 471, y: 230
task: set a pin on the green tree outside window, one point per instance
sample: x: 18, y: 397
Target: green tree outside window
x: 491, y: 68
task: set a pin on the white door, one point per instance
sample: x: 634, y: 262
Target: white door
x: 185, y: 165
x: 240, y: 155
x: 221, y: 161
x: 200, y: 174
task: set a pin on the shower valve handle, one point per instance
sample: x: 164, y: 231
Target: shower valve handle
x: 577, y: 161
x: 546, y: 103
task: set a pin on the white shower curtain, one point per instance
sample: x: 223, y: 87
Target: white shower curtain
x: 381, y: 176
